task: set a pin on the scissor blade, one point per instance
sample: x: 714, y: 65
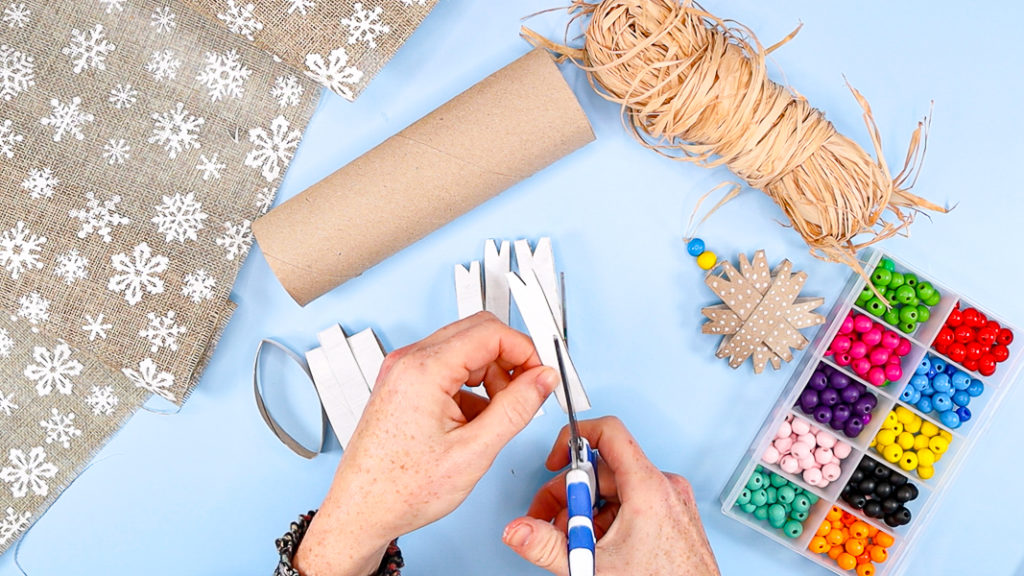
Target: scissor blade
x: 574, y: 432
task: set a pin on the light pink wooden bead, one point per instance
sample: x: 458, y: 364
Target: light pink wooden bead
x: 813, y: 476
x: 783, y: 445
x: 784, y: 430
x: 831, y: 472
x: 801, y: 450
x: 825, y: 440
x: 822, y: 456
x: 842, y: 449
x: 789, y: 464
x: 771, y: 455
x: 808, y: 462
x: 808, y: 439
x: 800, y: 426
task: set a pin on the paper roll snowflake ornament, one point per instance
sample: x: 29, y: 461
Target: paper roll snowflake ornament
x: 761, y: 315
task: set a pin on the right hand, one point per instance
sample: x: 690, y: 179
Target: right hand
x: 648, y: 525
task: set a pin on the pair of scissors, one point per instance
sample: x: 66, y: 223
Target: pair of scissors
x: 580, y: 486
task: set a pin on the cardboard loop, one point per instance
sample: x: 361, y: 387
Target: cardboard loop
x: 276, y: 428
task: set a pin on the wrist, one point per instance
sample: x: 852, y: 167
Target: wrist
x: 333, y: 546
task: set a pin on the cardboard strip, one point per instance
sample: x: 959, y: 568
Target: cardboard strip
x: 278, y: 430
x: 497, y: 263
x: 495, y: 134
x: 469, y: 293
x: 540, y: 262
x: 343, y: 419
x: 369, y: 354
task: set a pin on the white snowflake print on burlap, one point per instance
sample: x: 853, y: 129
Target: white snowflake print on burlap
x: 40, y: 183
x: 264, y: 200
x: 99, y: 217
x: 240, y: 19
x: 272, y: 149
x: 163, y: 20
x: 335, y: 73
x: 198, y: 286
x: 179, y: 217
x: 60, y: 428
x: 417, y: 2
x: 163, y: 65
x: 8, y: 139
x: 210, y: 167
x: 299, y: 6
x: 123, y: 96
x: 13, y: 524
x: 365, y: 25
x: 33, y: 308
x: 224, y: 75
x: 236, y: 239
x: 113, y: 5
x: 176, y: 130
x: 19, y: 250
x: 6, y: 343
x: 150, y: 377
x: 96, y: 327
x: 17, y: 72
x: 71, y: 266
x: 287, y: 91
x: 53, y: 369
x: 67, y: 119
x: 7, y: 405
x: 88, y: 49
x: 102, y: 400
x: 139, y: 273
x: 162, y: 331
x: 28, y: 472
x: 116, y: 151
x: 16, y: 15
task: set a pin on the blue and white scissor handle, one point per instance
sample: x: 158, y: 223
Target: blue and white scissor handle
x: 581, y: 495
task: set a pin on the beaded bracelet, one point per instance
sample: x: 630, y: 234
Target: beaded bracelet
x: 287, y: 545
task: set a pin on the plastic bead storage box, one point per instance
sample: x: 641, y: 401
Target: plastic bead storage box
x: 876, y: 421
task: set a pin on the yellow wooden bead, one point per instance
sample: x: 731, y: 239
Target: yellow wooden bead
x: 925, y: 472
x: 945, y: 434
x: 939, y: 445
x: 706, y: 260
x: 909, y: 461
x: 898, y: 428
x: 885, y: 437
x: 929, y: 429
x: 914, y: 425
x: 903, y: 414
x: 892, y: 453
x: 874, y: 442
x: 890, y: 421
x: 925, y: 457
x: 921, y: 442
x: 905, y: 440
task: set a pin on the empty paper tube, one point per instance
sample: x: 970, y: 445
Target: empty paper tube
x: 502, y: 130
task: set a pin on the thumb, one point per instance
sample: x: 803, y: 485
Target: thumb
x: 512, y: 408
x: 539, y: 543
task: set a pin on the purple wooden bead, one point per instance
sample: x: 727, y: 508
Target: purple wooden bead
x: 850, y: 394
x: 818, y: 380
x: 838, y: 380
x: 840, y: 414
x: 809, y: 399
x: 859, y: 387
x: 865, y: 419
x: 829, y: 397
x: 823, y: 414
x: 853, y: 428
x: 826, y: 369
x: 865, y: 404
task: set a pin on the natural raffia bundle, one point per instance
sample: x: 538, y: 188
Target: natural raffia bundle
x: 695, y: 87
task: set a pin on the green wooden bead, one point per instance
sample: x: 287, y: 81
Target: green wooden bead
x: 888, y: 264
x: 772, y: 494
x: 786, y: 494
x: 748, y: 507
x: 793, y: 529
x: 896, y: 281
x: 761, y: 513
x: 933, y: 300
x: 759, y: 497
x: 907, y: 327
x: 915, y: 301
x: 881, y: 277
x: 865, y: 295
x: 801, y: 503
x: 777, y: 515
x: 904, y: 294
x: 923, y: 313
x: 743, y: 498
x: 924, y: 290
x: 875, y: 307
x: 908, y: 314
x: 891, y: 316
x: 909, y: 280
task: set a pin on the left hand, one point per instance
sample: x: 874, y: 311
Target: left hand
x: 423, y: 442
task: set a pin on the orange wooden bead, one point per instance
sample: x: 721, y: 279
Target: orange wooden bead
x: 863, y: 559
x: 859, y: 530
x: 835, y: 551
x: 846, y: 561
x: 872, y: 531
x: 834, y: 514
x: 837, y: 525
x: 854, y: 546
x: 824, y: 529
x: 836, y: 537
x: 884, y: 540
x: 818, y: 545
x: 878, y: 554
x: 866, y: 569
x: 848, y: 518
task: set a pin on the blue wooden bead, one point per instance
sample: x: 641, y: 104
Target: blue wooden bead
x: 939, y: 364
x: 961, y: 380
x: 927, y: 389
x: 961, y: 398
x: 924, y: 366
x: 950, y: 419
x: 964, y: 413
x: 908, y: 393
x: 941, y: 383
x: 924, y: 404
x: 942, y: 402
x: 919, y: 381
x: 917, y: 397
x: 976, y: 388
x: 695, y: 247
x: 951, y: 369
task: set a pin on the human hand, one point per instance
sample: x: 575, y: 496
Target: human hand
x: 648, y: 525
x: 423, y: 442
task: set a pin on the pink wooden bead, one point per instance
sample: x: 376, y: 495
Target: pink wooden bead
x: 862, y: 323
x: 831, y: 472
x: 823, y: 456
x: 784, y: 430
x: 841, y: 344
x: 783, y: 445
x: 879, y: 356
x: 861, y: 366
x: 807, y: 463
x: 903, y: 348
x: 789, y: 464
x: 847, y: 326
x: 893, y: 372
x: 800, y: 426
x: 808, y: 439
x: 813, y: 476
x: 800, y: 450
x: 825, y: 440
x: 858, y: 350
x: 842, y: 449
x: 844, y: 359
x: 890, y: 340
x: 872, y: 337
x: 771, y: 455
x: 894, y: 359
x: 876, y: 376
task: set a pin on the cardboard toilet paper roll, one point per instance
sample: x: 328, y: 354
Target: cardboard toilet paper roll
x: 499, y: 132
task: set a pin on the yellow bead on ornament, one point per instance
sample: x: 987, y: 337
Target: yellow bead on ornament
x: 706, y: 260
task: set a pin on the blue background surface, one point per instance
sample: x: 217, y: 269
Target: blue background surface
x: 207, y: 490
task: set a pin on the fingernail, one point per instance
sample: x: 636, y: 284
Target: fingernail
x: 519, y: 535
x: 547, y: 380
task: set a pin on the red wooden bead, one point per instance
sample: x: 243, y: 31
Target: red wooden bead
x: 970, y: 316
x: 955, y: 319
x: 963, y: 334
x: 1000, y: 352
x: 957, y: 352
x: 1005, y: 337
x: 993, y: 324
x: 945, y: 338
x: 979, y: 319
x: 971, y: 365
x: 987, y: 365
x: 987, y: 336
x: 975, y: 349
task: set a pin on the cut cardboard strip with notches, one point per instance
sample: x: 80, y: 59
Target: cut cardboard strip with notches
x: 344, y: 370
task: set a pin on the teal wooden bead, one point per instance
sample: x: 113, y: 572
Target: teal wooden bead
x: 881, y: 277
x: 786, y: 494
x: 772, y: 494
x: 759, y: 497
x: 777, y: 515
x: 793, y: 529
x: 908, y: 314
x: 801, y: 503
x: 778, y: 480
x: 761, y: 512
x: 756, y: 481
x: 799, y: 516
x: 888, y: 264
x: 695, y: 247
x: 896, y: 280
x: 811, y: 497
x: 748, y: 508
x: 743, y: 498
